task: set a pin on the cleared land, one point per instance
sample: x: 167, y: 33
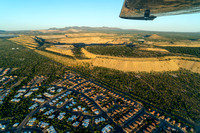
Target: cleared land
x: 89, y: 38
x: 60, y: 50
x: 178, y: 44
x: 143, y: 64
x: 154, y: 49
x: 26, y: 41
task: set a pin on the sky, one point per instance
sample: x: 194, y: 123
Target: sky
x: 44, y: 14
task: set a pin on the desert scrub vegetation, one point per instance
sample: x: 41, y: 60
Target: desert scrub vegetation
x: 26, y: 41
x: 176, y: 92
x: 78, y: 53
x: 195, y: 51
x: 28, y: 62
x: 123, y: 51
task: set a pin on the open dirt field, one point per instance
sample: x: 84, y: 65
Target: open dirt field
x: 143, y: 64
x: 156, y: 37
x: 52, y: 36
x: 27, y: 41
x: 88, y: 38
x: 178, y: 44
x: 95, y: 40
x: 61, y: 50
x: 90, y: 35
x: 154, y: 49
x: 58, y: 58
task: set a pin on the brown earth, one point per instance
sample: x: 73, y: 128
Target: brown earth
x: 88, y: 38
x: 154, y: 36
x: 60, y: 50
x: 143, y: 64
x: 52, y: 36
x: 154, y: 49
x: 179, y: 44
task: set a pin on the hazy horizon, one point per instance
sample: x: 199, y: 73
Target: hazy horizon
x: 38, y: 15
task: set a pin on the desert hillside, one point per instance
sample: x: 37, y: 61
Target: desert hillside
x: 128, y: 64
x: 155, y: 37
x: 143, y: 64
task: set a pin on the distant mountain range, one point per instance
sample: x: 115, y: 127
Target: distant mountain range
x: 82, y: 28
x: 86, y: 28
x: 1, y: 31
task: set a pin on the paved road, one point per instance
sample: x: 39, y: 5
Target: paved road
x: 19, y: 128
x: 118, y: 129
x: 142, y: 101
x: 21, y: 125
x: 131, y: 96
x: 140, y: 113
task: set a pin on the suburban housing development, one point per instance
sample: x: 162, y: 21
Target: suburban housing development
x: 73, y: 103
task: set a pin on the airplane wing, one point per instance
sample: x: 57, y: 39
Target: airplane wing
x: 150, y: 9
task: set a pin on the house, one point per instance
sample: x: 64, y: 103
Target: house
x: 51, y: 129
x: 75, y: 109
x: 22, y: 90
x: 50, y: 103
x: 51, y: 117
x: 76, y: 124
x: 31, y: 122
x: 85, y: 112
x: 35, y: 89
x: 66, y: 99
x: 59, y: 104
x: 16, y: 100
x: 73, y: 102
x: 98, y: 120
x: 39, y: 100
x: 97, y: 112
x: 107, y: 129
x: 16, y: 124
x: 33, y: 106
x: 2, y: 127
x: 61, y: 116
x: 48, y: 95
x: 51, y: 88
x: 74, y: 117
x: 59, y: 90
x: 28, y: 94
x: 43, y: 124
x: 85, y: 122
x: 39, y: 96
x: 42, y: 109
x: 83, y: 109
x: 49, y: 112
x: 18, y: 95
x: 52, y: 91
